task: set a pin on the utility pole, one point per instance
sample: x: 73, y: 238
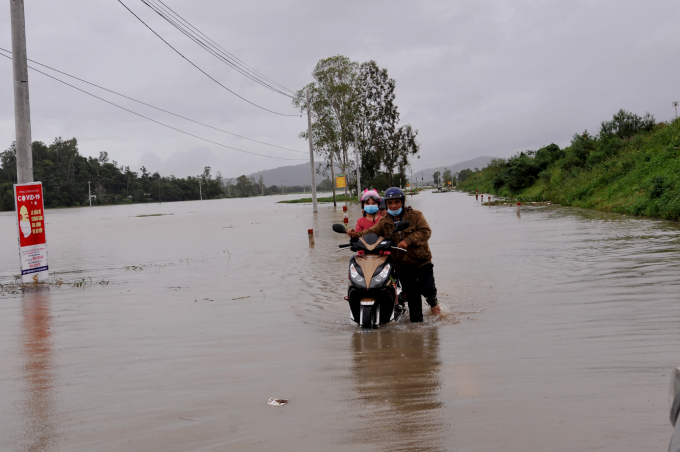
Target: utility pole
x: 311, y: 152
x: 22, y: 110
x: 356, y: 149
x: 159, y: 190
x: 89, y: 193
x: 675, y: 104
x: 200, y: 191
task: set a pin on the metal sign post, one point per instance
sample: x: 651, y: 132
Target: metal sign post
x: 30, y: 211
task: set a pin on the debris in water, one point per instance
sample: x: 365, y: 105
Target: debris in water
x: 277, y: 402
x: 241, y: 298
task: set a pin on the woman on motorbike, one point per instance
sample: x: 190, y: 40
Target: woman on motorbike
x: 413, y: 267
x: 370, y: 202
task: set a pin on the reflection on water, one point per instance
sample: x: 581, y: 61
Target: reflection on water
x: 397, y: 379
x: 40, y: 432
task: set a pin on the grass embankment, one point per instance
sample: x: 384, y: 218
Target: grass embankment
x: 629, y: 169
x: 338, y: 198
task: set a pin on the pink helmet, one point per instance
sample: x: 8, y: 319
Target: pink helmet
x: 370, y: 194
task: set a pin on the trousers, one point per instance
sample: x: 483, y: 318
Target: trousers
x: 416, y: 283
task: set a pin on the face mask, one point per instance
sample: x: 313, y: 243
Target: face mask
x: 25, y: 227
x: 371, y: 209
x: 395, y: 213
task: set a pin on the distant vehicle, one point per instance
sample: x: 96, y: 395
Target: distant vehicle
x: 373, y: 292
x: 675, y: 409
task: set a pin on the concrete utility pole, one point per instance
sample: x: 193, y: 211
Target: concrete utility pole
x: 675, y: 104
x: 200, y: 191
x: 89, y: 193
x: 22, y: 110
x: 356, y: 149
x: 311, y: 153
x: 159, y: 190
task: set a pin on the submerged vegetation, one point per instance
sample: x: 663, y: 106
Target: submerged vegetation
x: 632, y: 166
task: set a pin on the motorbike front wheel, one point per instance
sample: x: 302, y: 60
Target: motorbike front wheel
x: 365, y: 318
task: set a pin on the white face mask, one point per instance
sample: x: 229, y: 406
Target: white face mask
x: 25, y: 228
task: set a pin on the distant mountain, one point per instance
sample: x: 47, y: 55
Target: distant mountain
x: 288, y: 175
x: 301, y: 175
x: 426, y: 174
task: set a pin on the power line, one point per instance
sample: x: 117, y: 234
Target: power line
x: 150, y: 119
x: 194, y: 65
x: 217, y: 53
x: 209, y: 45
x: 225, y: 51
x: 157, y: 108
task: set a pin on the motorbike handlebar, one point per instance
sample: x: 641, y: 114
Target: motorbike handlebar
x: 397, y: 248
x: 345, y: 245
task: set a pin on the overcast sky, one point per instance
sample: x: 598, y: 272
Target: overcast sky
x: 474, y: 77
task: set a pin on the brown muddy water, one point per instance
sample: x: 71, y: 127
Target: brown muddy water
x: 559, y: 333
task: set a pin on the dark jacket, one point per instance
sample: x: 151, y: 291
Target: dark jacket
x: 416, y: 236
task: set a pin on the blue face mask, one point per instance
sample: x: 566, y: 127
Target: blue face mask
x: 371, y: 209
x: 395, y: 213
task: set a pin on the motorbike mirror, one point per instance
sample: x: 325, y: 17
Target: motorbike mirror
x: 339, y: 228
x: 401, y: 226
x: 674, y: 393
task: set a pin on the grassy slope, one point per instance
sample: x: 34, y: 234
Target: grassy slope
x: 642, y: 178
x: 338, y: 198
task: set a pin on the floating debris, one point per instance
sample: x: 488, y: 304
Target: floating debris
x: 154, y: 215
x: 277, y: 402
x: 241, y: 298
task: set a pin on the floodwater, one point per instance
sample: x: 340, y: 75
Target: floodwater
x: 171, y: 332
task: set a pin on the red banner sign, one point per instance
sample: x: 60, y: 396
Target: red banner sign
x: 28, y: 200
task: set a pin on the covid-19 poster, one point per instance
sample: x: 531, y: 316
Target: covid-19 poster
x: 28, y: 200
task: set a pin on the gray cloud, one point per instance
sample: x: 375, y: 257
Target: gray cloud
x: 475, y: 77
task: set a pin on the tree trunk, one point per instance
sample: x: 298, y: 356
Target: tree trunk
x: 344, y: 168
x: 333, y: 179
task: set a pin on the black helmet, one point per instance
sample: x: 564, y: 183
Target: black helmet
x: 394, y: 193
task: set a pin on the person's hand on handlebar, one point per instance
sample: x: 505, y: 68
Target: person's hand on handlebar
x: 353, y: 234
x: 402, y: 244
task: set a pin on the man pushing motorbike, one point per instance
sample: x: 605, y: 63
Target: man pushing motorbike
x: 413, y: 267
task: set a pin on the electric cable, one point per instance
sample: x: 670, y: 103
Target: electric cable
x: 214, y: 48
x: 157, y: 108
x: 219, y: 52
x: 201, y: 70
x: 224, y: 50
x: 150, y: 119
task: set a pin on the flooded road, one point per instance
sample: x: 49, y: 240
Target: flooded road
x: 171, y: 332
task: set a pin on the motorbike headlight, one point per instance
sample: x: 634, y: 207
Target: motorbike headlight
x: 355, y: 276
x: 382, y: 276
x: 385, y: 272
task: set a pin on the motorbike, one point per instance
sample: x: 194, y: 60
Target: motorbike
x: 675, y: 410
x: 373, y: 292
